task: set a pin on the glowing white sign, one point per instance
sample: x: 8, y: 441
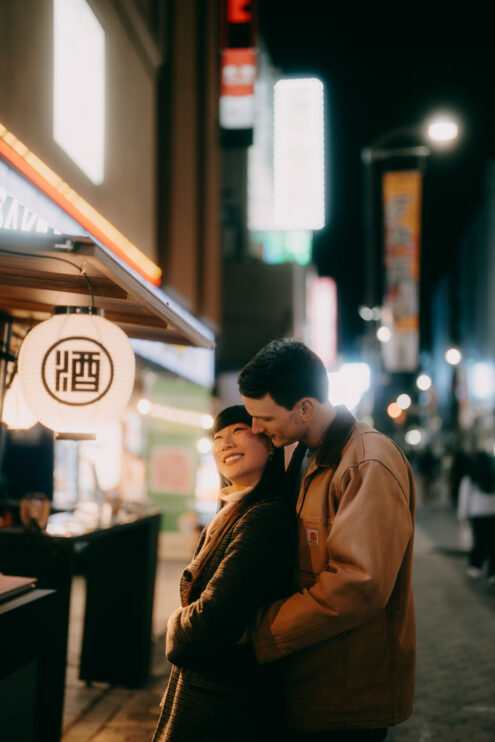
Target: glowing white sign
x: 299, y: 180
x: 349, y: 384
x: 79, y: 85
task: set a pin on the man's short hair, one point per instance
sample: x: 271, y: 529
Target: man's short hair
x: 287, y: 370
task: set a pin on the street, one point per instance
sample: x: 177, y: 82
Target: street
x: 455, y: 684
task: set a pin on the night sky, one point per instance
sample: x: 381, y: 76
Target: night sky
x: 384, y: 69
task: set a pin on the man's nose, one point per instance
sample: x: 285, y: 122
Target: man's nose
x: 257, y: 427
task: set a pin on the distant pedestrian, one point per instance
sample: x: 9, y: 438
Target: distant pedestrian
x: 477, y: 505
x: 427, y: 468
x: 244, y: 560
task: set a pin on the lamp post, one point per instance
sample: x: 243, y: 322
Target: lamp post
x: 440, y: 132
x: 397, y: 144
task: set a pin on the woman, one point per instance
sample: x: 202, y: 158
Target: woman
x: 243, y: 561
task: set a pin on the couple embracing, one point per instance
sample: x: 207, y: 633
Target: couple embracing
x: 297, y: 618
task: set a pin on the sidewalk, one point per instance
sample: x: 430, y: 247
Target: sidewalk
x: 455, y: 685
x: 102, y: 713
x: 455, y: 681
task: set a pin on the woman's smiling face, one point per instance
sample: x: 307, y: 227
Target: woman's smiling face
x: 240, y: 455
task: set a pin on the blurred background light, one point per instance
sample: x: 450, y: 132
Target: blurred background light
x: 144, y: 407
x: 348, y: 385
x: 394, y: 411
x: 376, y: 313
x: 207, y: 422
x: 413, y: 437
x: 203, y: 445
x: 453, y: 356
x: 370, y: 313
x: 365, y: 313
x: 279, y: 246
x: 423, y: 382
x: 481, y: 380
x: 442, y: 129
x: 404, y: 401
x: 383, y: 334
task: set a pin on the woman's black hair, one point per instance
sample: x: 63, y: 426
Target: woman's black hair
x: 269, y: 487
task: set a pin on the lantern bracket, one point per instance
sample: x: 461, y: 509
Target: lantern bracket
x: 78, y: 310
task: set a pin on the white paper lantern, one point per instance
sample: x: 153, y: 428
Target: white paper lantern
x: 76, y: 371
x: 16, y: 414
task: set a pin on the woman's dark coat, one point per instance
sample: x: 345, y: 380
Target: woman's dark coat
x: 216, y: 689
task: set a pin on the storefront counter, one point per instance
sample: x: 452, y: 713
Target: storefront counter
x: 32, y: 668
x: 119, y: 564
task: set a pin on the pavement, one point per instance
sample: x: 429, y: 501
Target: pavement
x: 455, y: 682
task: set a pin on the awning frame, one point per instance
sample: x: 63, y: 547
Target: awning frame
x: 35, y: 277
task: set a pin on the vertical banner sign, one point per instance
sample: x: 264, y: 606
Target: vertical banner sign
x: 402, y: 216
x: 321, y: 314
x: 237, y: 64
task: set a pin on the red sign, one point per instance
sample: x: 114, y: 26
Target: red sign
x: 238, y: 72
x: 238, y: 24
x: 239, y: 11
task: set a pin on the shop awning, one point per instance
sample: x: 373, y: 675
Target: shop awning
x: 42, y: 272
x: 56, y: 250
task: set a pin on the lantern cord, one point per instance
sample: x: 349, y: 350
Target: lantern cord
x: 12, y: 376
x: 61, y: 260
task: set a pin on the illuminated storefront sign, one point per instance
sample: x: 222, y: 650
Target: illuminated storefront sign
x: 79, y: 85
x: 18, y: 217
x: 195, y: 364
x: 63, y: 210
x: 321, y: 314
x: 299, y: 181
x: 237, y: 78
x: 237, y: 65
x: 276, y: 246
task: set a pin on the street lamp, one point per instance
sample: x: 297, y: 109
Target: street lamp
x: 437, y: 132
x: 442, y: 130
x: 398, y: 143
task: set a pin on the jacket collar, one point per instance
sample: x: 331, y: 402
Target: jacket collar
x: 336, y: 436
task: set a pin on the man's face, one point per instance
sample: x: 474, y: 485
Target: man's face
x: 281, y: 425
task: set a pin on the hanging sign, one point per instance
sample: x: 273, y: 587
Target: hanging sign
x: 76, y: 372
x: 402, y: 210
x: 237, y: 64
x: 237, y: 78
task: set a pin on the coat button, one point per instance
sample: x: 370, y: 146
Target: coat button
x: 187, y: 575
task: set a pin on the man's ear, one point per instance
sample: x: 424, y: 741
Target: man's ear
x: 307, y: 407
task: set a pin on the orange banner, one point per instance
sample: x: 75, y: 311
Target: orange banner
x: 402, y: 219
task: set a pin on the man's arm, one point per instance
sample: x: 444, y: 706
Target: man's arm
x: 255, y: 558
x: 365, y: 548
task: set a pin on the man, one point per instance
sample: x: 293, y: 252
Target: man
x: 348, y: 634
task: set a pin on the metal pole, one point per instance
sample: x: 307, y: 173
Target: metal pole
x: 368, y: 224
x: 6, y: 334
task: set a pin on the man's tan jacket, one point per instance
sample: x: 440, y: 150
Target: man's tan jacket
x: 348, y: 635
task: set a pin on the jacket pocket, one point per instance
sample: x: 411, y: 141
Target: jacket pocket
x: 317, y: 675
x: 312, y: 544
